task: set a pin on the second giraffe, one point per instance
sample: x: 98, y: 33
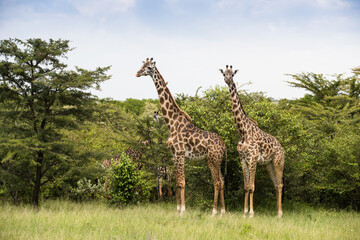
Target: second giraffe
x: 255, y: 146
x: 187, y: 141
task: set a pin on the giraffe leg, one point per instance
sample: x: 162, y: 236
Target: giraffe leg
x: 215, y: 176
x: 270, y: 169
x: 179, y: 160
x: 252, y: 171
x: 180, y: 184
x: 160, y: 188
x: 245, y: 169
x: 222, y: 199
x: 276, y: 177
x: 182, y: 192
x: 278, y: 165
x: 178, y: 193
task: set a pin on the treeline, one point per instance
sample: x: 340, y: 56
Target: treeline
x: 55, y: 136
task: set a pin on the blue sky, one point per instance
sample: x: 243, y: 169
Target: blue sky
x: 191, y: 39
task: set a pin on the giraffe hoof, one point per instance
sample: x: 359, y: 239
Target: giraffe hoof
x: 222, y: 212
x: 214, y: 212
x: 182, y: 211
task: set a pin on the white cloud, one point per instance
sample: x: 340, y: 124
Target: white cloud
x: 266, y: 6
x: 332, y: 4
x: 225, y: 3
x: 93, y: 7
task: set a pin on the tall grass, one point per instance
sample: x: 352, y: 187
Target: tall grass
x: 67, y: 220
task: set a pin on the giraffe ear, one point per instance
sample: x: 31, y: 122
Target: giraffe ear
x: 222, y: 72
x: 235, y: 71
x: 153, y: 64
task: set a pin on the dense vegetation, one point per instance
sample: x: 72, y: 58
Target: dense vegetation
x: 55, y: 136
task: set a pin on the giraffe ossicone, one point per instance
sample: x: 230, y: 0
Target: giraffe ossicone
x: 186, y: 140
x: 255, y: 147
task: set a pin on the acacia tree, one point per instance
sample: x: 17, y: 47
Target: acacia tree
x: 331, y: 113
x: 39, y: 98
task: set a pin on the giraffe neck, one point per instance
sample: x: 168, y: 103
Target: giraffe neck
x: 241, y: 119
x: 170, y: 110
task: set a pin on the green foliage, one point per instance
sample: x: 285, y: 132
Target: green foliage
x: 128, y: 185
x: 136, y: 106
x: 328, y: 171
x: 13, y: 177
x: 317, y: 84
x: 148, y: 133
x: 86, y: 191
x: 39, y: 100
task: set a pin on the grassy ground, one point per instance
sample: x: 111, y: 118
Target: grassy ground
x: 66, y: 220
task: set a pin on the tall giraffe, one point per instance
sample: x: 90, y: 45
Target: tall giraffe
x: 187, y: 141
x: 255, y: 147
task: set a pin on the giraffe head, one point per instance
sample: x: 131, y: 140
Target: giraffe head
x: 228, y: 74
x: 148, y: 68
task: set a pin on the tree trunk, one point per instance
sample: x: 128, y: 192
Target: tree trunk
x: 38, y: 175
x: 14, y: 194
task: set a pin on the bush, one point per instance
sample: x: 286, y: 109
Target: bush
x: 128, y: 185
x: 87, y: 191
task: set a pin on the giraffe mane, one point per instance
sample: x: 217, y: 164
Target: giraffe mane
x: 252, y: 120
x: 237, y: 96
x: 177, y: 106
x: 182, y: 111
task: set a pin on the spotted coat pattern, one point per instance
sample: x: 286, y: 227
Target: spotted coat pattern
x: 187, y: 141
x: 255, y: 147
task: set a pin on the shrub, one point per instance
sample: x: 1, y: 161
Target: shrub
x: 87, y: 191
x: 128, y: 185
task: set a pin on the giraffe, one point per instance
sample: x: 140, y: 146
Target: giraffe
x: 107, y: 163
x: 135, y: 155
x: 163, y: 174
x: 255, y: 147
x: 187, y: 141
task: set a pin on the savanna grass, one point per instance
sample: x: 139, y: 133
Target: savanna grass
x: 67, y: 220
